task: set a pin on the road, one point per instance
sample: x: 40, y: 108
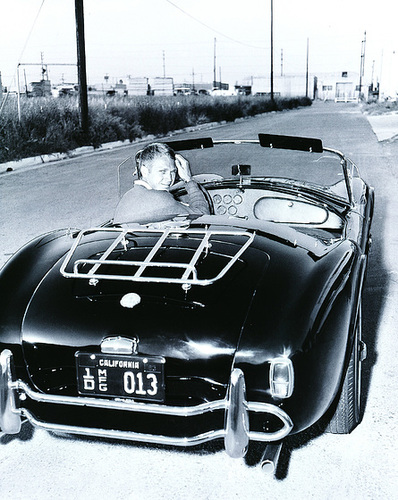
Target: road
x: 83, y: 192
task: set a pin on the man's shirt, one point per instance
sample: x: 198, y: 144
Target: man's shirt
x: 142, y: 204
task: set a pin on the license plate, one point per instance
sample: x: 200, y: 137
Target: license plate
x: 125, y: 376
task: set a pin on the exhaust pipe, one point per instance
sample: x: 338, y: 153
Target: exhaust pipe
x: 269, y: 461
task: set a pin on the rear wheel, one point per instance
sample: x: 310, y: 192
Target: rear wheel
x: 348, y: 411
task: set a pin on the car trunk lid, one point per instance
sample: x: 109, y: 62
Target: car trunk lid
x: 195, y: 328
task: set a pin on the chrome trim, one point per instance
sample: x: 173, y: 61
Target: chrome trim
x: 189, y: 272
x: 126, y: 405
x: 10, y: 420
x: 343, y: 163
x: 235, y: 405
x: 269, y: 460
x: 119, y: 345
x: 159, y: 409
x: 126, y: 435
x: 236, y: 440
x: 236, y: 432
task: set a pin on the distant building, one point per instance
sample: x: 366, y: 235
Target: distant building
x: 41, y: 88
x: 341, y: 87
x: 243, y: 89
x: 157, y: 86
x: 220, y: 86
x: 64, y: 89
x: 120, y: 88
x: 388, y: 80
x: 137, y: 86
x: 201, y: 88
x: 183, y: 90
x: 285, y: 85
x: 161, y: 86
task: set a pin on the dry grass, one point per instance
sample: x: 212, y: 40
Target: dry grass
x: 380, y: 108
x: 51, y: 125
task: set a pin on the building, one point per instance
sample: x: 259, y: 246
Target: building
x: 41, y: 88
x: 285, y: 85
x: 65, y: 89
x: 161, y: 86
x: 137, y: 86
x: 200, y: 88
x: 341, y: 87
x: 157, y: 86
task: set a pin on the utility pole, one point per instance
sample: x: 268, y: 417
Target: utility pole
x: 214, y: 65
x: 362, y: 67
x: 81, y: 66
x: 272, y: 50
x: 164, y: 65
x: 281, y: 62
x: 306, y: 69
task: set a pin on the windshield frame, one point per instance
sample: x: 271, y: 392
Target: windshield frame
x: 293, y: 143
x: 343, y: 162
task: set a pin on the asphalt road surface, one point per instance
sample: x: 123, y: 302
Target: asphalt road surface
x: 83, y: 192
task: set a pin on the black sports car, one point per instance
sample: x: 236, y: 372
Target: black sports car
x: 241, y: 325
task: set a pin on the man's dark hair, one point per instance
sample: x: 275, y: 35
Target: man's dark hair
x: 151, y: 152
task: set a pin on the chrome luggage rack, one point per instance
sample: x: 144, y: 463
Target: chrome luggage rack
x: 90, y: 268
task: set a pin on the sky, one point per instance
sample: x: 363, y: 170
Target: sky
x: 179, y: 38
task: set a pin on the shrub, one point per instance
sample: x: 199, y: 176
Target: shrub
x: 50, y: 125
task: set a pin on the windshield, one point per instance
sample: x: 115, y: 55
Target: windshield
x: 319, y: 170
x: 322, y: 171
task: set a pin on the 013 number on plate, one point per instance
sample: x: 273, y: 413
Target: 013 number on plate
x: 124, y: 376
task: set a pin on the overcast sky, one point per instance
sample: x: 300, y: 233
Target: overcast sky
x: 150, y: 37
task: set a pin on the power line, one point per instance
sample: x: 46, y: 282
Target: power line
x: 212, y: 29
x: 30, y: 32
x: 22, y: 52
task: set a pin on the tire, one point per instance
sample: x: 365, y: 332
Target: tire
x: 348, y: 411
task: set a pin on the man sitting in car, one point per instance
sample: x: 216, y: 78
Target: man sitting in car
x: 149, y: 199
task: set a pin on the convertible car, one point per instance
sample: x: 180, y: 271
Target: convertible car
x: 242, y: 325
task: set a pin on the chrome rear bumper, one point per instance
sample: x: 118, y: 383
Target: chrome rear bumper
x: 236, y: 432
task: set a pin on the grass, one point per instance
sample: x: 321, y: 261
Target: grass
x: 380, y: 107
x: 50, y: 125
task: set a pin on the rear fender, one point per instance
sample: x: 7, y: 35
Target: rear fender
x: 19, y: 278
x: 314, y: 329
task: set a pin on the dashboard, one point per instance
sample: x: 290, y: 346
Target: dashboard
x: 273, y: 207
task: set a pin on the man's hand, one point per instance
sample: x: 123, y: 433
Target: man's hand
x: 183, y: 168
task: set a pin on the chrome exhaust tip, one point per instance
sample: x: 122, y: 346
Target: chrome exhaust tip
x: 269, y: 460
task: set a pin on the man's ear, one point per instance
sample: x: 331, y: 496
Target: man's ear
x: 144, y: 170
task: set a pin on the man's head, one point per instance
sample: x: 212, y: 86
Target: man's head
x: 156, y: 166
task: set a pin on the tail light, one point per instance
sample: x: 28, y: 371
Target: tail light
x: 281, y: 378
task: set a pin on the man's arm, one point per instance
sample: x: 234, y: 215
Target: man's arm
x: 142, y: 205
x: 196, y: 199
